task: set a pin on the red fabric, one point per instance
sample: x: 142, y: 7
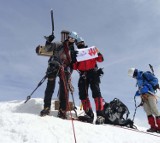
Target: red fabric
x: 86, y: 104
x: 99, y: 103
x: 158, y: 122
x: 66, y: 50
x: 88, y: 64
x: 151, y: 121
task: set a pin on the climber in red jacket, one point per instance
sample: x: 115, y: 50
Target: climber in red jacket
x: 90, y: 76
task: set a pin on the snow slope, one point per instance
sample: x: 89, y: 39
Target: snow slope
x: 21, y: 123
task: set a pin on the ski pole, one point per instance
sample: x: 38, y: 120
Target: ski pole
x: 71, y: 88
x: 39, y: 84
x: 73, y: 101
x: 74, y: 107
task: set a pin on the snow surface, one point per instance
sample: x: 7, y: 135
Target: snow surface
x: 21, y: 123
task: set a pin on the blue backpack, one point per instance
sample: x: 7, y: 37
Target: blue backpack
x: 151, y: 79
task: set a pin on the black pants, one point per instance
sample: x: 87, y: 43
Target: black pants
x: 63, y: 91
x: 86, y: 80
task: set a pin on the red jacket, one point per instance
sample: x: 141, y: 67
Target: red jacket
x: 88, y: 64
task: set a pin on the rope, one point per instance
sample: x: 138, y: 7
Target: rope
x: 68, y: 106
x: 73, y: 128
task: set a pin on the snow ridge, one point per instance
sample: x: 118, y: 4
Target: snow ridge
x: 21, y: 123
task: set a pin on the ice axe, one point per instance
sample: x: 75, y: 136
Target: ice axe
x: 151, y: 67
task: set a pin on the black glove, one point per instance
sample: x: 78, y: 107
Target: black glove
x: 50, y: 38
x: 37, y: 49
x: 49, y: 70
x: 100, y: 72
x: 74, y: 56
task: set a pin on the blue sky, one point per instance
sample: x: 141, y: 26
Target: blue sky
x: 127, y: 32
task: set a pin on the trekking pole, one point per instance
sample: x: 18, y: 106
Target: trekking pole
x: 136, y: 107
x: 74, y: 107
x: 39, y: 84
x: 71, y: 88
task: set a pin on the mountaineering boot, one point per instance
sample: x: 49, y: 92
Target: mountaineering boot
x: 158, y: 124
x: 45, y: 111
x: 99, y: 110
x: 62, y: 114
x: 151, y: 122
x: 100, y: 118
x: 91, y: 115
x: 152, y: 130
x: 88, y: 117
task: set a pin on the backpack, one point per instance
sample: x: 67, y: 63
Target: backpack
x: 151, y: 78
x: 116, y: 113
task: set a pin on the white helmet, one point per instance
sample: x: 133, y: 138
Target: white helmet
x: 73, y: 35
x: 79, y: 39
x: 131, y: 72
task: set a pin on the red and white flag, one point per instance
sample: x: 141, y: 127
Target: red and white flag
x: 87, y: 53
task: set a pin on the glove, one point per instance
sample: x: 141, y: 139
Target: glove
x: 74, y: 56
x: 137, y: 93
x: 100, y: 72
x: 49, y: 70
x: 50, y: 38
x: 99, y: 54
x: 38, y: 49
